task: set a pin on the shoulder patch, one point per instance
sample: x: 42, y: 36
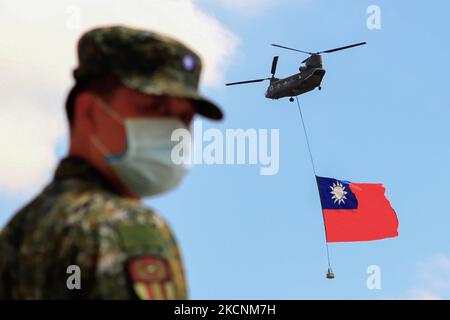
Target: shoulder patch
x: 151, y: 278
x: 141, y: 239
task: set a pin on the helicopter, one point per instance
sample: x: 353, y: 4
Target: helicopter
x: 309, y: 77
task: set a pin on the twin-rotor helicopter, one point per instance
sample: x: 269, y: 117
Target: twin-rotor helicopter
x: 309, y: 77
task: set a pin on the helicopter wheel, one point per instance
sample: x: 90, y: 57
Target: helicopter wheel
x: 291, y: 99
x: 320, y: 88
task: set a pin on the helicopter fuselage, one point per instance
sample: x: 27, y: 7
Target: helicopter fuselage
x: 309, y: 77
x: 296, y: 84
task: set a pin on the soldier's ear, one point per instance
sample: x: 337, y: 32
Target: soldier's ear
x: 84, y: 114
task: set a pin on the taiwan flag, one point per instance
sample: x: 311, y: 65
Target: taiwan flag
x: 356, y: 211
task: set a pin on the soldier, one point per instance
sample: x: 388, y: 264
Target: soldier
x: 132, y: 89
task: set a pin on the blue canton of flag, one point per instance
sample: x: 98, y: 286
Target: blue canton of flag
x: 336, y: 194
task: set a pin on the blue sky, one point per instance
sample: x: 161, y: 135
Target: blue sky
x: 382, y: 116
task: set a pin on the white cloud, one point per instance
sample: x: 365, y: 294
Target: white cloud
x: 435, y: 272
x: 432, y: 279
x: 28, y: 136
x: 249, y: 6
x: 422, y: 294
x: 37, y: 56
x: 257, y: 7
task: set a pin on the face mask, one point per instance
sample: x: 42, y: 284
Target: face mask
x: 146, y: 167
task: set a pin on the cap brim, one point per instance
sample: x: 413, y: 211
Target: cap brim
x: 207, y: 109
x: 172, y: 88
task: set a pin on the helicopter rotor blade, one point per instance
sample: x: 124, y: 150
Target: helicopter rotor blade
x: 274, y: 65
x: 247, y: 81
x: 342, y: 48
x: 277, y: 45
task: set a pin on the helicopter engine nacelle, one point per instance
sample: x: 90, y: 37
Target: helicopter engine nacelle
x: 314, y: 61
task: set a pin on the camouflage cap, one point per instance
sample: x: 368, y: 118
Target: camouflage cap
x: 145, y: 61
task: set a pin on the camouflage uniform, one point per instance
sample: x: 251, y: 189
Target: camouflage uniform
x: 79, y: 220
x: 123, y: 249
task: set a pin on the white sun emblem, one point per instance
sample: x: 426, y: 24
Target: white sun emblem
x: 338, y: 192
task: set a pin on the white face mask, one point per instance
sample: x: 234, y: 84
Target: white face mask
x: 146, y: 167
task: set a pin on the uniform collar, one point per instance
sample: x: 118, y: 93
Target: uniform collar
x: 79, y: 169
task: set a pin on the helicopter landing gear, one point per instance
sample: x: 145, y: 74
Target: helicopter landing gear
x: 291, y: 99
x: 320, y: 88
